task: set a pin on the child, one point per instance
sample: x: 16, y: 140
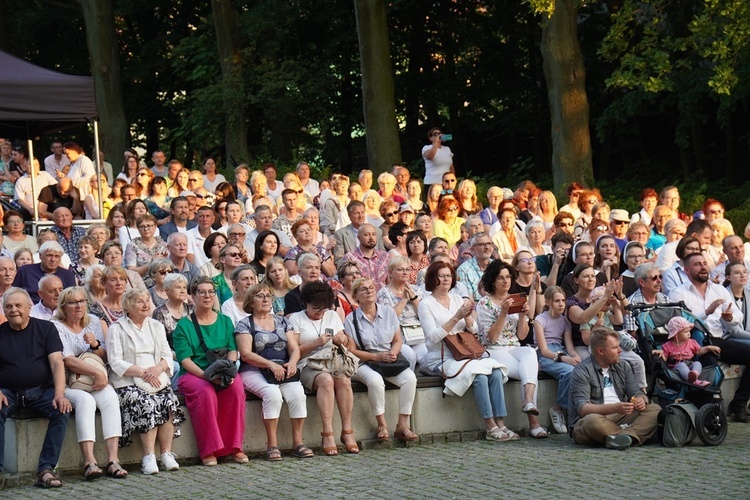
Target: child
x: 609, y: 315
x: 680, y: 350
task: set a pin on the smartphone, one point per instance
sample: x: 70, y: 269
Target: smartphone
x: 446, y: 137
x: 519, y: 299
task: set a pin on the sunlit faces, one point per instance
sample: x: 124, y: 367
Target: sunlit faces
x: 608, y: 248
x: 557, y: 304
x: 586, y: 280
x: 584, y: 254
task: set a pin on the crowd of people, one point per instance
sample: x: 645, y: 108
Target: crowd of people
x: 211, y: 289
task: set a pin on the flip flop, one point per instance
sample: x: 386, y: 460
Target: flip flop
x: 302, y: 451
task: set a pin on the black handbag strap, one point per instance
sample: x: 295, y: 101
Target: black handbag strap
x: 197, y: 327
x: 356, y: 329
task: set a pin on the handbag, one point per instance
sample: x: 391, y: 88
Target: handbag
x: 383, y: 368
x: 85, y: 382
x: 212, y: 355
x: 334, y: 359
x: 267, y: 373
x: 464, y: 345
x: 413, y: 334
x: 164, y: 381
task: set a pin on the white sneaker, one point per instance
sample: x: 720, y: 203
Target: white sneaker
x: 148, y: 465
x: 168, y: 461
x: 558, y: 421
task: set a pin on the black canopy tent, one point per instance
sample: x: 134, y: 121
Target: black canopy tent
x: 36, y: 101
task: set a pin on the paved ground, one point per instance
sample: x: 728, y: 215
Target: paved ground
x: 552, y: 468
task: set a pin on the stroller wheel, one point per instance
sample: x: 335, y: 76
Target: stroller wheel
x: 711, y: 424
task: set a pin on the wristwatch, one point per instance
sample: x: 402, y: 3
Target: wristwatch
x: 98, y: 345
x: 558, y: 356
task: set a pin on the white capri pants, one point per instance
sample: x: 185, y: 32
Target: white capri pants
x: 522, y: 365
x: 406, y: 381
x: 414, y: 354
x: 273, y: 395
x: 85, y: 405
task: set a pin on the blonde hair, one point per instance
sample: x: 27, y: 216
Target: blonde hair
x: 65, y: 298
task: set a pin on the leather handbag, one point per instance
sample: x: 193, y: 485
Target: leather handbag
x: 383, y: 368
x: 334, y: 359
x: 464, y: 345
x: 86, y: 382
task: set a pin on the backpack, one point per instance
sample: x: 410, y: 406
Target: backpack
x: 679, y: 429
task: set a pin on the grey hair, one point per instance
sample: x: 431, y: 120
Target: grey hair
x: 236, y: 225
x: 159, y: 264
x: 306, y: 256
x: 51, y: 246
x: 642, y: 270
x: 128, y: 298
x: 471, y: 219
x: 13, y: 291
x: 175, y: 235
x: 240, y: 269
x: 532, y: 224
x: 90, y: 273
x: 46, y: 279
x: 174, y: 279
x: 477, y: 235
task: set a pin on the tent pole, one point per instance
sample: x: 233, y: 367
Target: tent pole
x: 33, y: 181
x: 98, y: 168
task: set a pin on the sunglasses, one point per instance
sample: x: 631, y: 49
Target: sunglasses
x: 450, y: 180
x: 621, y: 222
x: 236, y: 234
x: 565, y: 224
x: 656, y: 277
x: 453, y: 209
x: 391, y: 214
x: 233, y: 254
x: 192, y: 180
x: 164, y: 272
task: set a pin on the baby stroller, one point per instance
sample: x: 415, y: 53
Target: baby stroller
x: 710, y: 421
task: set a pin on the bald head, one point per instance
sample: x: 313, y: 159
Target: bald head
x: 62, y: 217
x: 7, y: 271
x: 50, y: 288
x: 734, y: 249
x: 367, y: 235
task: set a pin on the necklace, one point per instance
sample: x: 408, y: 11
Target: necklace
x: 317, y: 328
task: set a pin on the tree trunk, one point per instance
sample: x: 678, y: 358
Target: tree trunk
x: 101, y: 39
x: 227, y: 25
x: 565, y: 76
x: 383, y: 147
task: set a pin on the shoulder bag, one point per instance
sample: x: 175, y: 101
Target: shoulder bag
x: 86, y: 382
x: 334, y: 359
x: 383, y: 368
x: 267, y: 373
x: 212, y: 355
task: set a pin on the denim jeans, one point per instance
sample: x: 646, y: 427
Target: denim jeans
x: 58, y: 423
x: 489, y: 394
x: 561, y: 371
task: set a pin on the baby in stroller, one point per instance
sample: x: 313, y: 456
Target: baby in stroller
x: 680, y: 351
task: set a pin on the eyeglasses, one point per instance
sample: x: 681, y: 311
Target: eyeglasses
x: 718, y: 211
x: 391, y: 214
x: 353, y: 273
x: 263, y: 296
x: 565, y: 224
x: 143, y: 174
x: 233, y: 254
x: 15, y: 221
x: 600, y: 228
x: 222, y: 208
x: 402, y: 270
x: 319, y: 309
x: 526, y: 260
x: 164, y: 272
x: 192, y: 180
x: 202, y: 197
x: 621, y: 222
x: 146, y: 226
x: 366, y: 289
x: 449, y: 180
x: 76, y: 303
x: 444, y: 277
x: 205, y: 293
x: 236, y: 234
x: 435, y: 134
x: 485, y: 245
x: 656, y: 277
x: 635, y: 257
x: 503, y: 277
x: 453, y: 209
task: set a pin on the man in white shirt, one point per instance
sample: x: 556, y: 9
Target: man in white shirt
x: 57, y: 161
x: 310, y: 185
x: 50, y: 288
x: 734, y: 249
x: 23, y: 194
x: 714, y: 306
x: 197, y: 236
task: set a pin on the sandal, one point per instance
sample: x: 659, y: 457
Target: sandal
x: 115, y: 470
x: 273, y: 454
x: 539, y: 433
x: 47, y: 479
x: 350, y: 448
x: 330, y: 451
x: 512, y: 436
x: 495, y: 434
x: 382, y: 436
x: 406, y: 434
x: 530, y: 409
x: 92, y: 471
x: 239, y: 457
x: 210, y: 461
x: 302, y: 451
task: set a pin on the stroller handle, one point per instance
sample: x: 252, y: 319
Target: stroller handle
x: 651, y: 307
